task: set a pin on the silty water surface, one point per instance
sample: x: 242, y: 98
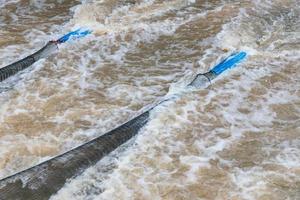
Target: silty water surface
x: 237, y: 139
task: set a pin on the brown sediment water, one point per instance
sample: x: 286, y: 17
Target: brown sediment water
x: 237, y: 139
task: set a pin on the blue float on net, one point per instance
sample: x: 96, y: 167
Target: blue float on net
x: 229, y: 62
x: 74, y: 34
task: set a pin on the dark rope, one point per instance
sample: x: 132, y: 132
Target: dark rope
x: 20, y: 65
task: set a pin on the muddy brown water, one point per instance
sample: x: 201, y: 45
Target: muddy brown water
x: 237, y: 139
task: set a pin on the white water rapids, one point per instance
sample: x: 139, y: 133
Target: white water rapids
x: 237, y: 139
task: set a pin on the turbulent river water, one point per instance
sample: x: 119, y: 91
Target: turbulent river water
x: 237, y: 139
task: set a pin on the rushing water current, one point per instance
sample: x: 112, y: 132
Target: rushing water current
x: 237, y: 139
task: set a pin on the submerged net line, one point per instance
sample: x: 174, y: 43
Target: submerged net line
x: 44, y: 52
x: 45, y: 179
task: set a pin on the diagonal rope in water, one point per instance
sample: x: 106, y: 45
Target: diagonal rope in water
x: 45, y: 179
x: 44, y: 52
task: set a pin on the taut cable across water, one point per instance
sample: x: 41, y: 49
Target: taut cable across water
x: 236, y: 139
x: 45, y: 179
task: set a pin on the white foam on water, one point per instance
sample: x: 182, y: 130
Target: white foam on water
x: 135, y: 23
x: 253, y: 183
x: 158, y: 138
x: 185, y: 136
x: 19, y: 148
x: 258, y: 183
x: 40, y: 92
x: 3, y: 3
x: 124, y: 89
x: 289, y: 155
